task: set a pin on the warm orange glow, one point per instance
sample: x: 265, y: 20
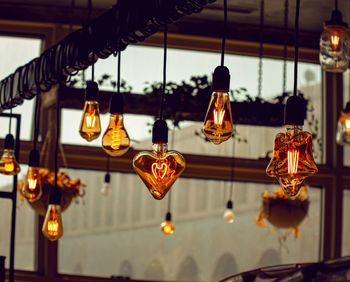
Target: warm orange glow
x: 8, y: 163
x: 229, y: 216
x: 9, y: 167
x: 167, y: 227
x: 53, y: 228
x: 159, y: 170
x: 217, y: 126
x: 347, y: 124
x: 335, y: 40
x: 293, y: 161
x: 32, y: 189
x: 90, y: 125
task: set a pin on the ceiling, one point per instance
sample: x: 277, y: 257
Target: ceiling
x: 243, y: 14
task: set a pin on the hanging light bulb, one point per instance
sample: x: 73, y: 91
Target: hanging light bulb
x: 334, y: 44
x: 292, y: 160
x: 229, y: 216
x: 8, y: 163
x: 90, y: 125
x: 115, y: 141
x: 343, y: 130
x: 32, y: 189
x: 53, y: 227
x: 167, y: 226
x: 218, y: 125
x: 106, y: 187
x: 160, y: 168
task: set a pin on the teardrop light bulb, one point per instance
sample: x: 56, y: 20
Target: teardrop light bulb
x: 115, y: 141
x: 167, y: 227
x: 343, y: 129
x: 229, y: 216
x: 32, y: 189
x: 8, y: 162
x: 334, y: 44
x: 90, y: 125
x: 218, y: 125
x: 160, y: 168
x: 292, y: 160
x: 106, y: 187
x: 53, y: 227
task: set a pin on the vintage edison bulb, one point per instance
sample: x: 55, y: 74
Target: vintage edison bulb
x: 90, y: 125
x: 343, y: 129
x: 292, y: 160
x: 159, y: 169
x: 32, y: 189
x: 167, y: 226
x: 106, y: 187
x: 334, y: 44
x: 218, y: 125
x: 53, y: 227
x: 8, y: 163
x: 115, y: 141
x: 229, y: 216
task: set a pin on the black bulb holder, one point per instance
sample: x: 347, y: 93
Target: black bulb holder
x: 336, y: 19
x: 55, y: 195
x: 229, y: 205
x: 116, y: 104
x: 347, y: 108
x: 295, y: 111
x: 168, y: 216
x: 91, y: 91
x: 107, y: 178
x: 221, y: 79
x: 9, y: 142
x: 34, y: 158
x: 160, y: 132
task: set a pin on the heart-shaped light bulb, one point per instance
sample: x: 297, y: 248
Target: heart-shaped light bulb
x: 159, y: 169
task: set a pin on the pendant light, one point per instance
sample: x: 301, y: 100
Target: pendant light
x: 116, y: 141
x: 8, y: 162
x: 32, y: 188
x: 343, y: 128
x: 159, y: 168
x: 218, y: 124
x: 53, y: 227
x: 292, y: 160
x: 106, y: 187
x: 167, y: 226
x: 334, y: 43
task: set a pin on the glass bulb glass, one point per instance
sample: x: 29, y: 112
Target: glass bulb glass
x: 292, y: 160
x: 229, y: 216
x: 53, y: 227
x: 115, y: 141
x: 90, y: 125
x: 32, y: 189
x: 159, y: 169
x: 8, y: 163
x: 343, y: 130
x: 218, y: 125
x: 106, y: 189
x: 334, y: 47
x: 167, y: 227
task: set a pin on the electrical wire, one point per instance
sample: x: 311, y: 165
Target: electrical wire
x: 336, y: 4
x: 10, y: 121
x: 118, y: 72
x: 164, y: 71
x: 171, y: 147
x: 108, y: 164
x: 285, y: 47
x: 232, y: 165
x: 58, y: 123
x: 36, y: 121
x: 224, y: 34
x: 296, y: 49
x: 261, y: 47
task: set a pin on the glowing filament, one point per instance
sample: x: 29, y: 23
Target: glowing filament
x: 159, y: 170
x: 347, y: 124
x: 167, y: 227
x: 293, y: 160
x: 116, y: 136
x: 9, y: 167
x: 335, y: 39
x: 52, y: 227
x: 219, y: 116
x: 90, y: 120
x: 32, y: 183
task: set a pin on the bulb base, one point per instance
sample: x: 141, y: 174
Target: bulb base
x: 168, y: 216
x: 295, y: 111
x: 160, y: 132
x: 116, y: 104
x: 34, y: 158
x: 229, y: 205
x: 221, y: 79
x: 9, y: 142
x: 107, y: 178
x: 336, y: 19
x: 347, y: 108
x: 91, y: 91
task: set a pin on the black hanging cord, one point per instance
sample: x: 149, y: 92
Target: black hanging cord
x: 285, y: 47
x: 10, y: 121
x: 296, y: 49
x: 224, y: 34
x: 261, y: 47
x: 118, y: 72
x: 336, y: 4
x: 93, y: 72
x: 108, y: 164
x: 58, y: 122
x: 164, y: 71
x: 36, y: 121
x: 232, y: 165
x: 171, y: 147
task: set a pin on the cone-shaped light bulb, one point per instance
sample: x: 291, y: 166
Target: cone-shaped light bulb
x: 53, y: 227
x: 32, y: 189
x: 8, y: 162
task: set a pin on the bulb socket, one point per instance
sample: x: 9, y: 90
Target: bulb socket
x: 107, y: 178
x: 9, y: 142
x: 160, y: 132
x: 229, y: 205
x: 336, y: 19
x: 116, y: 104
x: 34, y: 158
x: 55, y: 195
x: 168, y: 216
x: 91, y: 91
x: 347, y: 108
x: 221, y: 79
x: 295, y: 111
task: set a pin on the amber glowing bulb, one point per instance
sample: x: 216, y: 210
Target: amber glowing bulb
x: 343, y: 129
x: 115, y: 141
x: 90, y: 125
x: 160, y: 168
x: 106, y: 187
x: 218, y: 125
x: 167, y: 226
x: 292, y: 160
x: 32, y: 189
x: 53, y: 227
x: 229, y: 216
x: 8, y: 162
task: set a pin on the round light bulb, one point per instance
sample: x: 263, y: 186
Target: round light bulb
x: 167, y: 227
x: 229, y: 216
